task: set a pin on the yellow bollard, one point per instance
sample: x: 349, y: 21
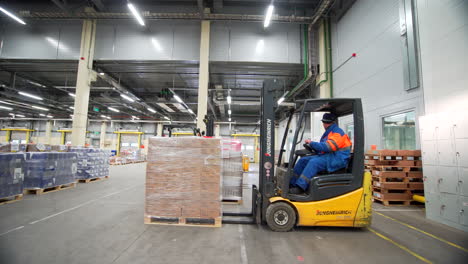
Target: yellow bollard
x: 245, y: 163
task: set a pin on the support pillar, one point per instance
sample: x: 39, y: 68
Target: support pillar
x: 102, y: 140
x: 48, y: 132
x: 83, y: 82
x: 217, y: 131
x: 203, y: 76
x: 159, y: 130
x: 324, y: 49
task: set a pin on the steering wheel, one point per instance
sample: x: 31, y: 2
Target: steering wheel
x: 310, y: 149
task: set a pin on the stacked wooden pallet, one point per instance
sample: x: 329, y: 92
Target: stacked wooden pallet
x: 396, y: 175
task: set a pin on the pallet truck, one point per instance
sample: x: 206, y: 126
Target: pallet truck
x: 342, y: 198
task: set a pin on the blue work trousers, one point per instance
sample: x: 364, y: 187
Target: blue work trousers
x: 308, y: 167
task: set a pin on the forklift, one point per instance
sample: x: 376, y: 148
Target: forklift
x: 341, y: 198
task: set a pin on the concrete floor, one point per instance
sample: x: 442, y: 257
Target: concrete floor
x: 102, y: 222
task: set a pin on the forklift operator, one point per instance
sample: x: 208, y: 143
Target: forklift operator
x: 333, y: 153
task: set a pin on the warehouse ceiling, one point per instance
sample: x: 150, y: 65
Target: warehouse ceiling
x: 150, y: 81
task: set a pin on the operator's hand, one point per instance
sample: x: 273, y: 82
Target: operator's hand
x: 307, y: 141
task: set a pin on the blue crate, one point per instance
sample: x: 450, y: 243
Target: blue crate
x: 11, y: 174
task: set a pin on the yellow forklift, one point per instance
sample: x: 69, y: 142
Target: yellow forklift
x: 341, y: 198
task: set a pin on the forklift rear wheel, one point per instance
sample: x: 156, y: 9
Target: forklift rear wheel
x: 280, y: 217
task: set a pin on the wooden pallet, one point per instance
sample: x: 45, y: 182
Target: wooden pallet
x: 184, y: 221
x: 11, y: 199
x: 234, y: 202
x: 395, y: 203
x: 93, y: 179
x: 50, y: 189
x: 394, y: 168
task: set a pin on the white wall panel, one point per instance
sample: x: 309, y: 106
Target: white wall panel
x: 371, y: 29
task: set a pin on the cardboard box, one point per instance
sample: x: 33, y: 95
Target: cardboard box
x: 183, y: 178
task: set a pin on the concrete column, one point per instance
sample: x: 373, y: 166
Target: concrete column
x: 203, y: 76
x: 48, y: 132
x: 102, y: 139
x: 217, y: 131
x: 323, y: 77
x: 159, y: 129
x: 83, y: 82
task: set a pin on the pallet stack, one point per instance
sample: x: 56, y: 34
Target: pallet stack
x: 183, y: 181
x: 396, y: 175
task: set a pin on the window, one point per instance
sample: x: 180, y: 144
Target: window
x: 399, y: 131
x: 350, y: 132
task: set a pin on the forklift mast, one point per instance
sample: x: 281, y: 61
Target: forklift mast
x: 267, y: 146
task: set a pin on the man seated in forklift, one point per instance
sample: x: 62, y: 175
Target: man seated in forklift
x: 333, y: 153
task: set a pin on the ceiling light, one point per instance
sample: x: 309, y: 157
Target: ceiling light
x: 190, y: 111
x: 151, y: 110
x: 178, y: 98
x: 6, y: 107
x: 101, y: 73
x: 280, y: 100
x: 126, y: 97
x: 134, y: 117
x: 229, y: 119
x: 42, y: 115
x: 113, y: 109
x: 229, y: 111
x: 136, y: 14
x: 12, y: 16
x: 71, y: 107
x: 40, y: 108
x: 72, y: 94
x: 167, y: 118
x: 268, y: 15
x: 30, y: 95
x: 49, y: 116
x: 11, y: 114
x: 167, y: 108
x: 229, y: 99
x: 20, y: 116
x: 71, y: 116
x: 3, y: 102
x: 103, y: 116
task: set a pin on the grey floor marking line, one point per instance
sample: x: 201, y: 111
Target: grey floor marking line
x: 133, y: 242
x: 11, y: 230
x: 243, y: 251
x: 80, y: 205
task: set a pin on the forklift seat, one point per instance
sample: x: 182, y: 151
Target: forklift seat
x: 347, y: 169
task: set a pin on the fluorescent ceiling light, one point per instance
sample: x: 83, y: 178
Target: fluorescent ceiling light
x: 40, y: 108
x: 268, y: 15
x: 3, y: 102
x: 136, y: 14
x: 12, y: 16
x: 101, y: 73
x: 49, y: 116
x: 126, y: 97
x: 167, y: 118
x: 190, y: 111
x: 37, y: 84
x: 113, y: 109
x: 229, y: 111
x: 151, y: 110
x: 6, y: 107
x: 281, y: 100
x: 11, y: 114
x: 178, y: 98
x: 30, y: 95
x: 71, y: 107
x: 20, y: 116
x: 71, y: 116
x: 134, y: 117
x: 229, y: 119
x: 42, y: 115
x: 229, y: 99
x: 103, y: 116
x: 167, y: 108
x: 72, y: 94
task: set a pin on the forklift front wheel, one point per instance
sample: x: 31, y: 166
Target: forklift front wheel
x: 280, y: 217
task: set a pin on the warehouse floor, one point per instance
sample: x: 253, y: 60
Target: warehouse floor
x: 102, y: 222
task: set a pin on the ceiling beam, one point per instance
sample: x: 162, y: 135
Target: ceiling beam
x: 99, y: 5
x: 61, y: 5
